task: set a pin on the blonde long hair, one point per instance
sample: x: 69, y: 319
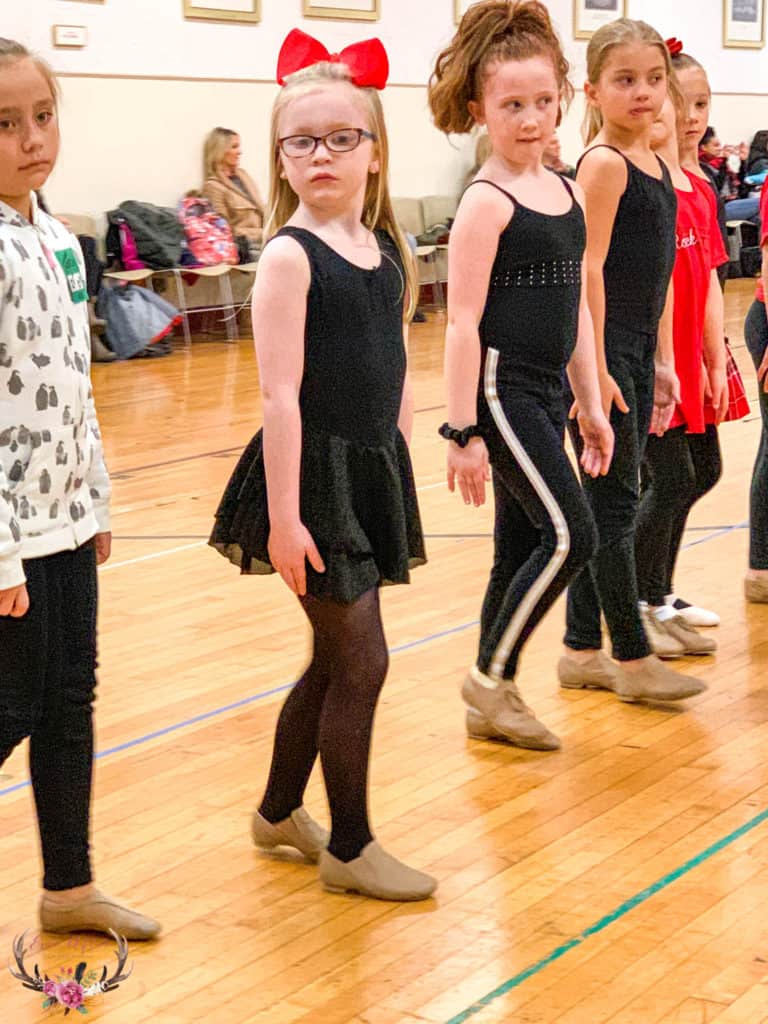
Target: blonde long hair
x: 621, y: 32
x: 216, y: 144
x: 12, y: 51
x: 378, y: 213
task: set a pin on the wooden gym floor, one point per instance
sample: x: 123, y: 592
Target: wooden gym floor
x: 619, y: 881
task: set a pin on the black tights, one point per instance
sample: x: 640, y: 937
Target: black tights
x: 678, y: 469
x: 330, y: 711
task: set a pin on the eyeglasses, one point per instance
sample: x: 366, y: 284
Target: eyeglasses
x: 343, y: 140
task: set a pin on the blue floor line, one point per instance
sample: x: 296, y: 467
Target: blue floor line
x: 608, y: 919
x: 565, y: 947
x: 241, y: 704
x: 281, y: 689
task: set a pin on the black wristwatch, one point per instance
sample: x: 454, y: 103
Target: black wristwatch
x: 459, y: 437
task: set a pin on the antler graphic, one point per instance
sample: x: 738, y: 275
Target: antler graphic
x: 19, y: 952
x: 109, y: 984
x: 105, y: 984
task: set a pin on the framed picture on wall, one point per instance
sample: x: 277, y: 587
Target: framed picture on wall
x: 354, y: 10
x: 590, y: 15
x: 744, y: 23
x: 223, y: 10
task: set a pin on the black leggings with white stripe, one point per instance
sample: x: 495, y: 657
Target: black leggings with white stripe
x: 544, y: 533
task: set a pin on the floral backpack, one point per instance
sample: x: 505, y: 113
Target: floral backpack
x: 209, y: 236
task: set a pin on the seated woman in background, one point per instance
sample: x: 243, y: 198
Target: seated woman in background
x: 757, y: 158
x: 729, y: 183
x: 232, y: 193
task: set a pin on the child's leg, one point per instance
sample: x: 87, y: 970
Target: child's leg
x: 611, y: 582
x: 534, y: 481
x: 514, y: 540
x: 666, y: 501
x: 360, y: 667
x: 331, y: 711
x: 706, y: 459
x: 46, y: 693
x: 48, y: 680
x: 24, y: 654
x: 756, y: 337
x: 296, y: 736
x: 61, y: 745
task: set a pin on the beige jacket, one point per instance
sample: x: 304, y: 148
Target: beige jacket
x: 245, y: 214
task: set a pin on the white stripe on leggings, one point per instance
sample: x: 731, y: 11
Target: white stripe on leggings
x: 538, y: 587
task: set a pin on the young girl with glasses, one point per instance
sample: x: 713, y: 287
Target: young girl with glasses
x: 324, y: 494
x: 517, y: 319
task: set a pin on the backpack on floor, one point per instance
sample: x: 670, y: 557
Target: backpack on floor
x: 208, y: 234
x: 136, y: 320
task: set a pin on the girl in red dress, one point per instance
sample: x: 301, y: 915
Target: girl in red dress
x: 685, y: 463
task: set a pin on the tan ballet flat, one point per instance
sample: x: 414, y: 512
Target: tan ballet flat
x: 97, y: 913
x: 377, y: 874
x: 298, y: 831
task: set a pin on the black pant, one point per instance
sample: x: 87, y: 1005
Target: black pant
x: 544, y: 532
x: 756, y: 337
x: 610, y: 580
x: 679, y: 468
x: 48, y: 664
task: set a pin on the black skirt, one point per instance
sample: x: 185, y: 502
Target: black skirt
x: 358, y: 503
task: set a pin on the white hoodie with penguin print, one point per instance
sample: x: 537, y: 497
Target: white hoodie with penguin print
x: 54, y: 485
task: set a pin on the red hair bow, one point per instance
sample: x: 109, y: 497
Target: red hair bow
x: 674, y: 46
x: 367, y: 61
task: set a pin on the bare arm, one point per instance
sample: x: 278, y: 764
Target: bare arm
x: 14, y: 600
x: 473, y: 243
x: 482, y: 215
x: 603, y: 176
x: 406, y: 416
x: 582, y: 368
x: 762, y: 370
x: 714, y: 348
x: 582, y: 374
x: 279, y: 314
x: 666, y: 392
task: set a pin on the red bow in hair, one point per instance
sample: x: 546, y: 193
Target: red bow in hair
x: 367, y: 61
x: 674, y: 46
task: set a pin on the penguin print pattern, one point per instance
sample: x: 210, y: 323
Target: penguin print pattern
x: 54, y: 486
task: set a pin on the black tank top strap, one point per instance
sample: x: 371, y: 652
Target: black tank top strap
x: 603, y: 145
x: 568, y: 186
x: 486, y: 181
x: 666, y: 177
x: 505, y: 192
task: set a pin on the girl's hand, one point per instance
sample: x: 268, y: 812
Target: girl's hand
x: 289, y: 549
x: 666, y: 395
x: 470, y: 468
x: 762, y: 372
x: 716, y: 392
x: 14, y: 602
x: 610, y: 394
x: 597, y: 434
x: 102, y: 542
